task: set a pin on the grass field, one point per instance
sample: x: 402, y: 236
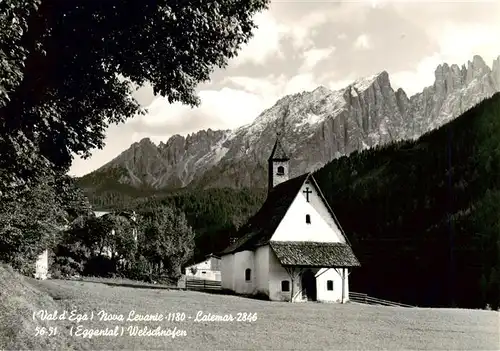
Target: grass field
x: 279, y: 326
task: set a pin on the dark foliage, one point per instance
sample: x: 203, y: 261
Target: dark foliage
x: 423, y: 216
x: 214, y: 214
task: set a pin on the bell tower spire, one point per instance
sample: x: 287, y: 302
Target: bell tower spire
x: 278, y: 165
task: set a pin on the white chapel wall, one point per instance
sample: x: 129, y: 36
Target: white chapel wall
x: 243, y: 260
x: 293, y: 227
x: 277, y: 273
x: 262, y: 269
x: 335, y: 295
x: 321, y: 209
x: 226, y: 268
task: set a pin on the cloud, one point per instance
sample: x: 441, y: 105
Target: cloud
x: 272, y: 88
x: 413, y: 81
x: 313, y: 56
x: 219, y: 109
x: 270, y: 34
x: 267, y: 87
x: 363, y: 42
x: 341, y: 84
x: 144, y: 95
x: 301, y: 31
x: 299, y: 83
x: 265, y: 42
x: 457, y: 44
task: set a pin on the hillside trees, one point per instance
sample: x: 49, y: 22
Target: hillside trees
x: 120, y: 238
x: 212, y: 213
x: 423, y: 216
x: 106, y: 246
x: 68, y: 68
x: 166, y: 240
x: 95, y: 245
x: 71, y: 198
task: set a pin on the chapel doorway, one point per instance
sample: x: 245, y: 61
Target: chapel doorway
x: 309, y: 285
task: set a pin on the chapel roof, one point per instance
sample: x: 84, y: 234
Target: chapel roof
x: 261, y: 227
x: 314, y: 254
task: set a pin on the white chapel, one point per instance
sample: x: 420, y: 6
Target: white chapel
x: 293, y: 248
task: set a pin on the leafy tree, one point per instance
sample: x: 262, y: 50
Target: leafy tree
x: 68, y: 68
x: 86, y: 231
x: 166, y: 239
x: 71, y: 198
x: 88, y: 238
x: 214, y: 214
x: 118, y: 236
x: 29, y: 224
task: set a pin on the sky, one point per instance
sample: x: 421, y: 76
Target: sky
x: 300, y: 45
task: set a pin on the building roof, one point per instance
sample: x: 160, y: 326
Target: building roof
x: 278, y: 153
x: 314, y: 254
x: 214, y: 262
x: 130, y: 215
x: 260, y: 228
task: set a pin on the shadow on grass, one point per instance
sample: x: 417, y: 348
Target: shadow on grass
x: 140, y: 286
x: 137, y: 285
x: 261, y: 297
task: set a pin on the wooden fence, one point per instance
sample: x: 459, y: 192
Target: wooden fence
x: 364, y: 298
x: 202, y: 284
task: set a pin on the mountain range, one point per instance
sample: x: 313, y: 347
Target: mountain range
x: 316, y: 127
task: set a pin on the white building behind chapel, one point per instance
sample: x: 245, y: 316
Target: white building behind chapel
x: 207, y: 270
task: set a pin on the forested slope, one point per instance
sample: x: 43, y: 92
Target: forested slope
x: 424, y: 216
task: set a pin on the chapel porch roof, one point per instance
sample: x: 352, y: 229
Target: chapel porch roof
x: 314, y: 254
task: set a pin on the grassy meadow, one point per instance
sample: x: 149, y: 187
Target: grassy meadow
x: 279, y: 326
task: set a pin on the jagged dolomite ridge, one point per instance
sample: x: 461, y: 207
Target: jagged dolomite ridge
x: 317, y: 126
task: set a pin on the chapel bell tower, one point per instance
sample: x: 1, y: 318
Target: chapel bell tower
x: 278, y: 165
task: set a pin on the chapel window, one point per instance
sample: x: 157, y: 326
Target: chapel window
x: 285, y: 286
x: 281, y: 170
x: 329, y: 285
x: 248, y: 274
x: 308, y: 219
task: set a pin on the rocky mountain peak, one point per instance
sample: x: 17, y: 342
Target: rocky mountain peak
x: 476, y: 68
x: 322, y: 90
x: 143, y: 142
x: 317, y: 126
x: 361, y: 84
x: 495, y: 71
